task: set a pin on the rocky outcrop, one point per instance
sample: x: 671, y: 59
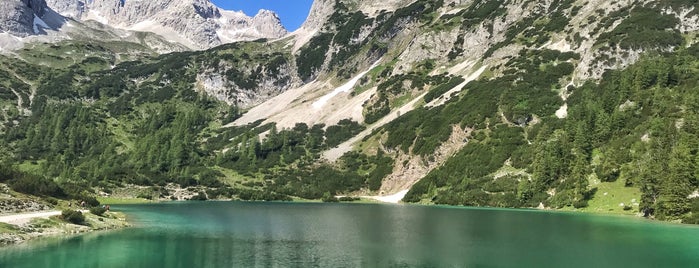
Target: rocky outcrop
x: 9, y: 206
x: 319, y: 14
x: 22, y: 18
x: 68, y: 8
x: 269, y: 85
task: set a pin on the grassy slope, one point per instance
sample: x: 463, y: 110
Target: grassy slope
x: 609, y: 198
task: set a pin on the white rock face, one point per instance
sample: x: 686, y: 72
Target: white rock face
x: 321, y: 10
x: 373, y: 8
x: 198, y: 24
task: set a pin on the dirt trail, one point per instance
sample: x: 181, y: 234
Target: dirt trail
x: 18, y: 219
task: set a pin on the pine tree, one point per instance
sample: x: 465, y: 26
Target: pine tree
x: 673, y: 201
x: 579, y: 176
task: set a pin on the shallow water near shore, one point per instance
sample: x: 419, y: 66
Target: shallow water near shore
x: 241, y: 234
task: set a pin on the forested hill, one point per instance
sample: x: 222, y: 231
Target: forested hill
x: 578, y: 105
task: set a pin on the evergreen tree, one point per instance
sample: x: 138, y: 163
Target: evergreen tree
x: 675, y: 188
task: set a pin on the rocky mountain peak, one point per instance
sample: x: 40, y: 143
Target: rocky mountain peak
x: 205, y: 9
x: 198, y: 24
x: 267, y: 21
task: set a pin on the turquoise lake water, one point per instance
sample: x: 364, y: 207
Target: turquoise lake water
x: 240, y: 234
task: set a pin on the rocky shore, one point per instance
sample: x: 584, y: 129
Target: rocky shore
x: 26, y: 229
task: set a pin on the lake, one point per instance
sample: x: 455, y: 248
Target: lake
x: 241, y: 234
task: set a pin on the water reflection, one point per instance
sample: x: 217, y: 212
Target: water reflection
x: 228, y: 234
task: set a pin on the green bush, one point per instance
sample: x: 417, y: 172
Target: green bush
x: 201, y: 196
x: 438, y: 91
x: 35, y: 185
x: 99, y: 211
x: 583, y: 204
x: 247, y: 194
x: 51, y: 200
x: 644, y: 28
x: 311, y: 57
x: 348, y: 199
x: 329, y: 198
x: 344, y: 130
x: 73, y: 216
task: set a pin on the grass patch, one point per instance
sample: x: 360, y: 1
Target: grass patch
x: 120, y: 134
x: 232, y: 177
x: 45, y: 223
x: 7, y: 228
x: 402, y: 100
x: 122, y: 200
x: 33, y: 167
x: 369, y: 144
x: 610, y: 196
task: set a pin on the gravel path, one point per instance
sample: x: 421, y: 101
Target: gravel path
x: 23, y: 218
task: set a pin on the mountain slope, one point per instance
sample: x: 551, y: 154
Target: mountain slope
x: 163, y: 26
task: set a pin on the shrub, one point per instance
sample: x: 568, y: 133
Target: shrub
x: 99, y: 211
x: 51, y: 200
x: 148, y: 196
x: 90, y: 201
x: 348, y: 199
x: 73, y: 216
x: 35, y: 185
x: 327, y: 197
x: 201, y: 196
x: 583, y: 204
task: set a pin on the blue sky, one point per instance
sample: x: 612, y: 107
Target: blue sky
x: 291, y: 12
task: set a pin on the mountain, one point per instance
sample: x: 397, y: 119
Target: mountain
x: 570, y: 104
x: 161, y: 26
x: 197, y: 24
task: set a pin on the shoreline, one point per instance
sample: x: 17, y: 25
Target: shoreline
x: 21, y: 228
x: 389, y: 200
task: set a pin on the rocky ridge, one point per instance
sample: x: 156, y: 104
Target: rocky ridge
x: 198, y: 24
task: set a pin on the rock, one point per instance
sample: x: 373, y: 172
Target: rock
x: 22, y: 17
x: 8, y: 206
x: 10, y: 239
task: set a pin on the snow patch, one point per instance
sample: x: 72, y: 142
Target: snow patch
x: 234, y: 35
x: 38, y: 22
x: 344, y: 88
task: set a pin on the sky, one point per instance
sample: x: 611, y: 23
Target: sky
x: 292, y: 12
